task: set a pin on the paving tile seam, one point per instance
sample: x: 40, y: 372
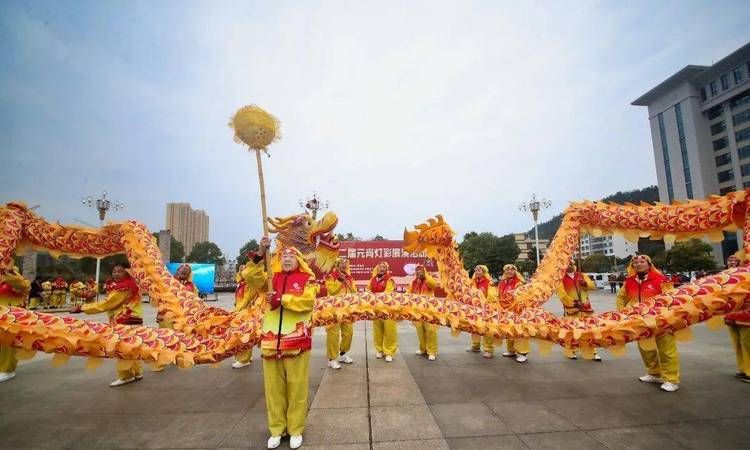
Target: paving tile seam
x: 367, y: 381
x: 232, y: 430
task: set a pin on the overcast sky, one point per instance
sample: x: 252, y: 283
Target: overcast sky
x: 392, y: 111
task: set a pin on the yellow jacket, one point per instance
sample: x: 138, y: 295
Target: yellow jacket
x: 122, y: 304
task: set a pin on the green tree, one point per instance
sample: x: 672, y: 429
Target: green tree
x: 526, y: 267
x: 250, y: 246
x: 206, y: 252
x: 691, y: 256
x: 348, y: 237
x: 597, y: 263
x: 378, y: 238
x: 489, y: 249
x: 176, y: 249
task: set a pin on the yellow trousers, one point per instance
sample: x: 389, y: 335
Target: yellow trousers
x: 741, y: 341
x: 487, y: 343
x: 338, y: 339
x: 58, y: 300
x: 135, y: 371
x: 285, y: 381
x: 427, y: 334
x: 34, y: 302
x: 664, y: 362
x: 385, y: 334
x: 244, y: 357
x: 163, y: 323
x: 8, y: 360
x: 515, y: 348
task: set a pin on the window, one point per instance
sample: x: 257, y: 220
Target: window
x: 683, y: 151
x: 723, y: 159
x: 742, y: 135
x: 724, y: 82
x: 746, y: 184
x: 718, y: 127
x: 665, y: 154
x: 744, y: 152
x: 739, y: 119
x: 739, y: 101
x: 720, y: 143
x: 703, y: 93
x: 725, y: 176
x: 714, y: 112
x: 737, y: 75
x: 714, y: 88
x: 745, y: 169
x: 726, y: 190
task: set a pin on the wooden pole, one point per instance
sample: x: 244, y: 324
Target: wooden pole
x: 264, y: 217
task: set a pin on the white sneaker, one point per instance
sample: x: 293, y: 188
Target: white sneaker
x: 573, y: 356
x: 419, y: 353
x: 487, y: 355
x: 5, y: 376
x: 521, y: 358
x: 295, y: 441
x: 274, y: 441
x: 378, y: 355
x: 650, y: 379
x: 346, y: 359
x: 119, y: 382
x: 333, y: 364
x: 431, y: 357
x: 240, y: 365
x: 669, y: 387
x: 388, y: 358
x: 509, y: 354
x: 472, y: 350
x: 138, y: 377
x: 597, y: 357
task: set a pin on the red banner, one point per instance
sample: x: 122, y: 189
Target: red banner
x: 363, y: 256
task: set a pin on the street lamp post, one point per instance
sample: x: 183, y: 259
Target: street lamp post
x: 102, y: 205
x: 535, y: 206
x: 313, y: 205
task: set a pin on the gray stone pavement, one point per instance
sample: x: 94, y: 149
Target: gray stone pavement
x: 460, y: 401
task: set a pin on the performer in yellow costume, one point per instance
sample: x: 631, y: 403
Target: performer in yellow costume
x: 643, y: 282
x: 35, y: 295
x: 14, y: 290
x: 510, y: 280
x: 384, y: 332
x: 123, y: 306
x: 46, y: 294
x: 59, y: 292
x: 286, y: 339
x: 573, y: 292
x: 77, y: 294
x: 242, y: 299
x: 339, y: 336
x: 738, y: 323
x: 424, y: 284
x: 483, y: 282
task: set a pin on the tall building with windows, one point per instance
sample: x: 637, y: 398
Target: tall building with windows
x: 188, y: 225
x: 612, y: 245
x: 700, y: 129
x: 528, y: 250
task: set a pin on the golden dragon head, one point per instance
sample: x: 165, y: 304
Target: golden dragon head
x: 428, y: 236
x: 313, y: 238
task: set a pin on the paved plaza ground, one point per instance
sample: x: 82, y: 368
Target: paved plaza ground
x: 461, y: 401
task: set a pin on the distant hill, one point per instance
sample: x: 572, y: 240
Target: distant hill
x: 649, y: 195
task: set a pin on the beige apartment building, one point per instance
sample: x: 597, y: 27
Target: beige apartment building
x: 188, y: 225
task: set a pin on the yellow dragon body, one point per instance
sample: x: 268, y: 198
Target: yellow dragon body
x: 205, y: 334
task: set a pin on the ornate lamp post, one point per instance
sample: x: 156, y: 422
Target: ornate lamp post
x: 102, y: 205
x: 534, y: 206
x: 313, y: 205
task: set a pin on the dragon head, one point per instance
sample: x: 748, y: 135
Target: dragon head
x: 428, y: 236
x: 313, y: 238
